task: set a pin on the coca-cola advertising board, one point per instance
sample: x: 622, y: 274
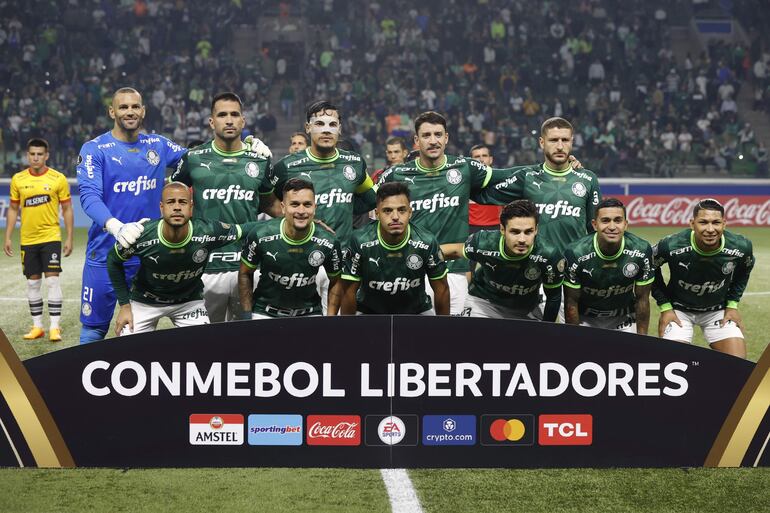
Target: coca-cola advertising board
x: 676, y: 210
x: 383, y: 392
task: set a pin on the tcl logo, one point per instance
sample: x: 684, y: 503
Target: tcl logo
x: 333, y: 430
x: 565, y: 430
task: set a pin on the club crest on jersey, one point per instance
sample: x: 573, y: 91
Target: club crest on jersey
x: 414, y: 262
x: 728, y: 268
x: 200, y: 255
x: 316, y: 258
x: 86, y: 309
x: 252, y: 169
x: 630, y: 270
x: 153, y: 157
x: 532, y: 273
x: 579, y: 190
x: 349, y: 173
x: 454, y: 176
x: 561, y: 265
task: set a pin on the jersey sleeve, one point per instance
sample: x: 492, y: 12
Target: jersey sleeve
x: 117, y: 276
x: 224, y: 233
x: 251, y: 255
x: 173, y: 153
x: 15, y: 196
x: 646, y: 274
x: 64, y: 190
x: 740, y: 277
x: 353, y: 260
x: 481, y: 174
x: 385, y: 176
x: 182, y: 171
x: 572, y: 270
x: 553, y: 270
x: 436, y: 266
x: 278, y: 178
x: 333, y: 264
x: 470, y: 246
x: 660, y: 255
x: 265, y: 187
x: 90, y: 173
x: 594, y: 197
x: 504, y: 186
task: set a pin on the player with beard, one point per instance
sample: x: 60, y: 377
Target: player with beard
x: 290, y: 251
x: 172, y: 252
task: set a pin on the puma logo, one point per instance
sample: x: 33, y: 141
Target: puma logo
x: 409, y: 179
x: 118, y: 160
x: 538, y: 184
x: 686, y: 266
x: 274, y: 255
x: 492, y: 266
x: 306, y: 174
x: 154, y: 258
x: 376, y: 261
x: 207, y: 165
x: 589, y: 272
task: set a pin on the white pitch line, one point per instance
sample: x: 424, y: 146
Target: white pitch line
x: 403, y: 497
x: 761, y: 293
x: 25, y: 299
x: 762, y: 450
x: 15, y: 452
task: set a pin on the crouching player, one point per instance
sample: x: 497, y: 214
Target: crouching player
x: 290, y: 251
x: 609, y: 275
x: 511, y: 264
x: 389, y: 260
x: 709, y: 269
x: 172, y: 252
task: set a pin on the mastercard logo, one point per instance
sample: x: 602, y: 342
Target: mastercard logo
x: 514, y: 429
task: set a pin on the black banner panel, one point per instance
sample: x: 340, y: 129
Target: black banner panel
x: 391, y: 391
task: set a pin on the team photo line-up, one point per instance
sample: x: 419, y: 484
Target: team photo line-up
x: 336, y: 242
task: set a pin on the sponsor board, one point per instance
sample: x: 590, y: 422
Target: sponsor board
x: 572, y: 429
x: 216, y: 429
x: 387, y: 430
x: 333, y: 430
x: 676, y: 210
x: 508, y: 429
x: 449, y: 430
x: 274, y: 429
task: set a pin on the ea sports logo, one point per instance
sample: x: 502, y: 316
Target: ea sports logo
x: 414, y: 262
x: 316, y: 258
x: 630, y: 270
x: 578, y: 189
x: 391, y: 430
x: 153, y: 157
x: 349, y: 173
x: 216, y: 422
x: 454, y: 176
x: 502, y: 430
x: 252, y: 169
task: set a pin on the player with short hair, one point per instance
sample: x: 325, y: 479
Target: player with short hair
x: 396, y: 152
x: 298, y: 142
x: 173, y: 252
x: 230, y: 183
x: 390, y: 259
x: 483, y: 217
x: 609, y: 275
x: 511, y: 264
x: 338, y: 176
x: 37, y: 192
x: 709, y: 270
x: 290, y: 251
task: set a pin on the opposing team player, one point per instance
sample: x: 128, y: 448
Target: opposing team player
x: 609, y: 275
x: 37, y: 192
x: 709, y: 268
x: 230, y: 183
x: 512, y: 263
x: 337, y: 176
x: 173, y: 251
x: 290, y: 251
x: 389, y: 260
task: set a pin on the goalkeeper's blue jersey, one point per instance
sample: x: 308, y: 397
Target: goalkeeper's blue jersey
x: 121, y: 180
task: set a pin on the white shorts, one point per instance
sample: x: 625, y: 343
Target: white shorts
x: 146, y: 317
x: 625, y: 323
x: 322, y: 286
x: 709, y: 323
x: 265, y: 316
x: 221, y: 295
x: 479, y: 307
x: 426, y: 312
x: 458, y: 290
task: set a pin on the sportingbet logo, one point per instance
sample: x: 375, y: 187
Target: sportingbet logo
x: 333, y: 430
x: 439, y: 200
x: 216, y: 429
x: 135, y: 186
x: 333, y: 196
x: 395, y: 286
x: 510, y: 429
x: 275, y: 430
x: 233, y: 192
x: 449, y: 430
x: 561, y: 208
x: 565, y: 430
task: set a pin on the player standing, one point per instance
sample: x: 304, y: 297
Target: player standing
x: 709, y: 269
x: 290, y: 251
x: 297, y: 142
x: 390, y: 259
x: 230, y: 183
x: 609, y: 275
x: 483, y: 217
x: 38, y: 191
x: 173, y: 252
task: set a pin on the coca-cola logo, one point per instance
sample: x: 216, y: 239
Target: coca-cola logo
x: 667, y: 210
x: 333, y: 430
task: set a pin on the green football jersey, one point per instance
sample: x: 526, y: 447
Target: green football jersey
x: 566, y: 200
x: 336, y: 181
x: 392, y: 278
x: 289, y: 267
x: 439, y: 196
x: 702, y: 282
x: 169, y: 273
x: 226, y: 187
x: 607, y: 282
x: 511, y: 281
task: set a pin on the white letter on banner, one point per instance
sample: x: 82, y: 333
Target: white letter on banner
x: 411, y: 373
x: 496, y: 369
x: 288, y: 379
x: 623, y: 381
x: 233, y: 378
x: 521, y: 380
x: 88, y: 385
x: 266, y: 373
x: 328, y: 391
x: 645, y: 380
x: 434, y: 379
x: 668, y: 373
x: 173, y: 383
x: 194, y: 379
x: 545, y: 389
x: 469, y: 382
x: 601, y: 379
x: 365, y: 390
x: 141, y: 378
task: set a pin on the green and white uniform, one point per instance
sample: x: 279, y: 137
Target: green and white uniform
x: 607, y: 282
x: 168, y: 282
x: 226, y: 187
x: 509, y: 286
x: 702, y: 285
x: 287, y: 287
x: 392, y: 278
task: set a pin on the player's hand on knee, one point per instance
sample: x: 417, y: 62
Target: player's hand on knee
x: 125, y: 319
x: 667, y: 318
x: 732, y: 314
x: 257, y: 146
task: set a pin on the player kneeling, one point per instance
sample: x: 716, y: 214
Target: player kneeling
x: 511, y: 264
x: 290, y: 251
x: 389, y: 260
x: 709, y: 269
x: 172, y: 252
x: 609, y: 275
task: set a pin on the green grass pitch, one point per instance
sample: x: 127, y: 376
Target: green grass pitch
x: 188, y: 490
